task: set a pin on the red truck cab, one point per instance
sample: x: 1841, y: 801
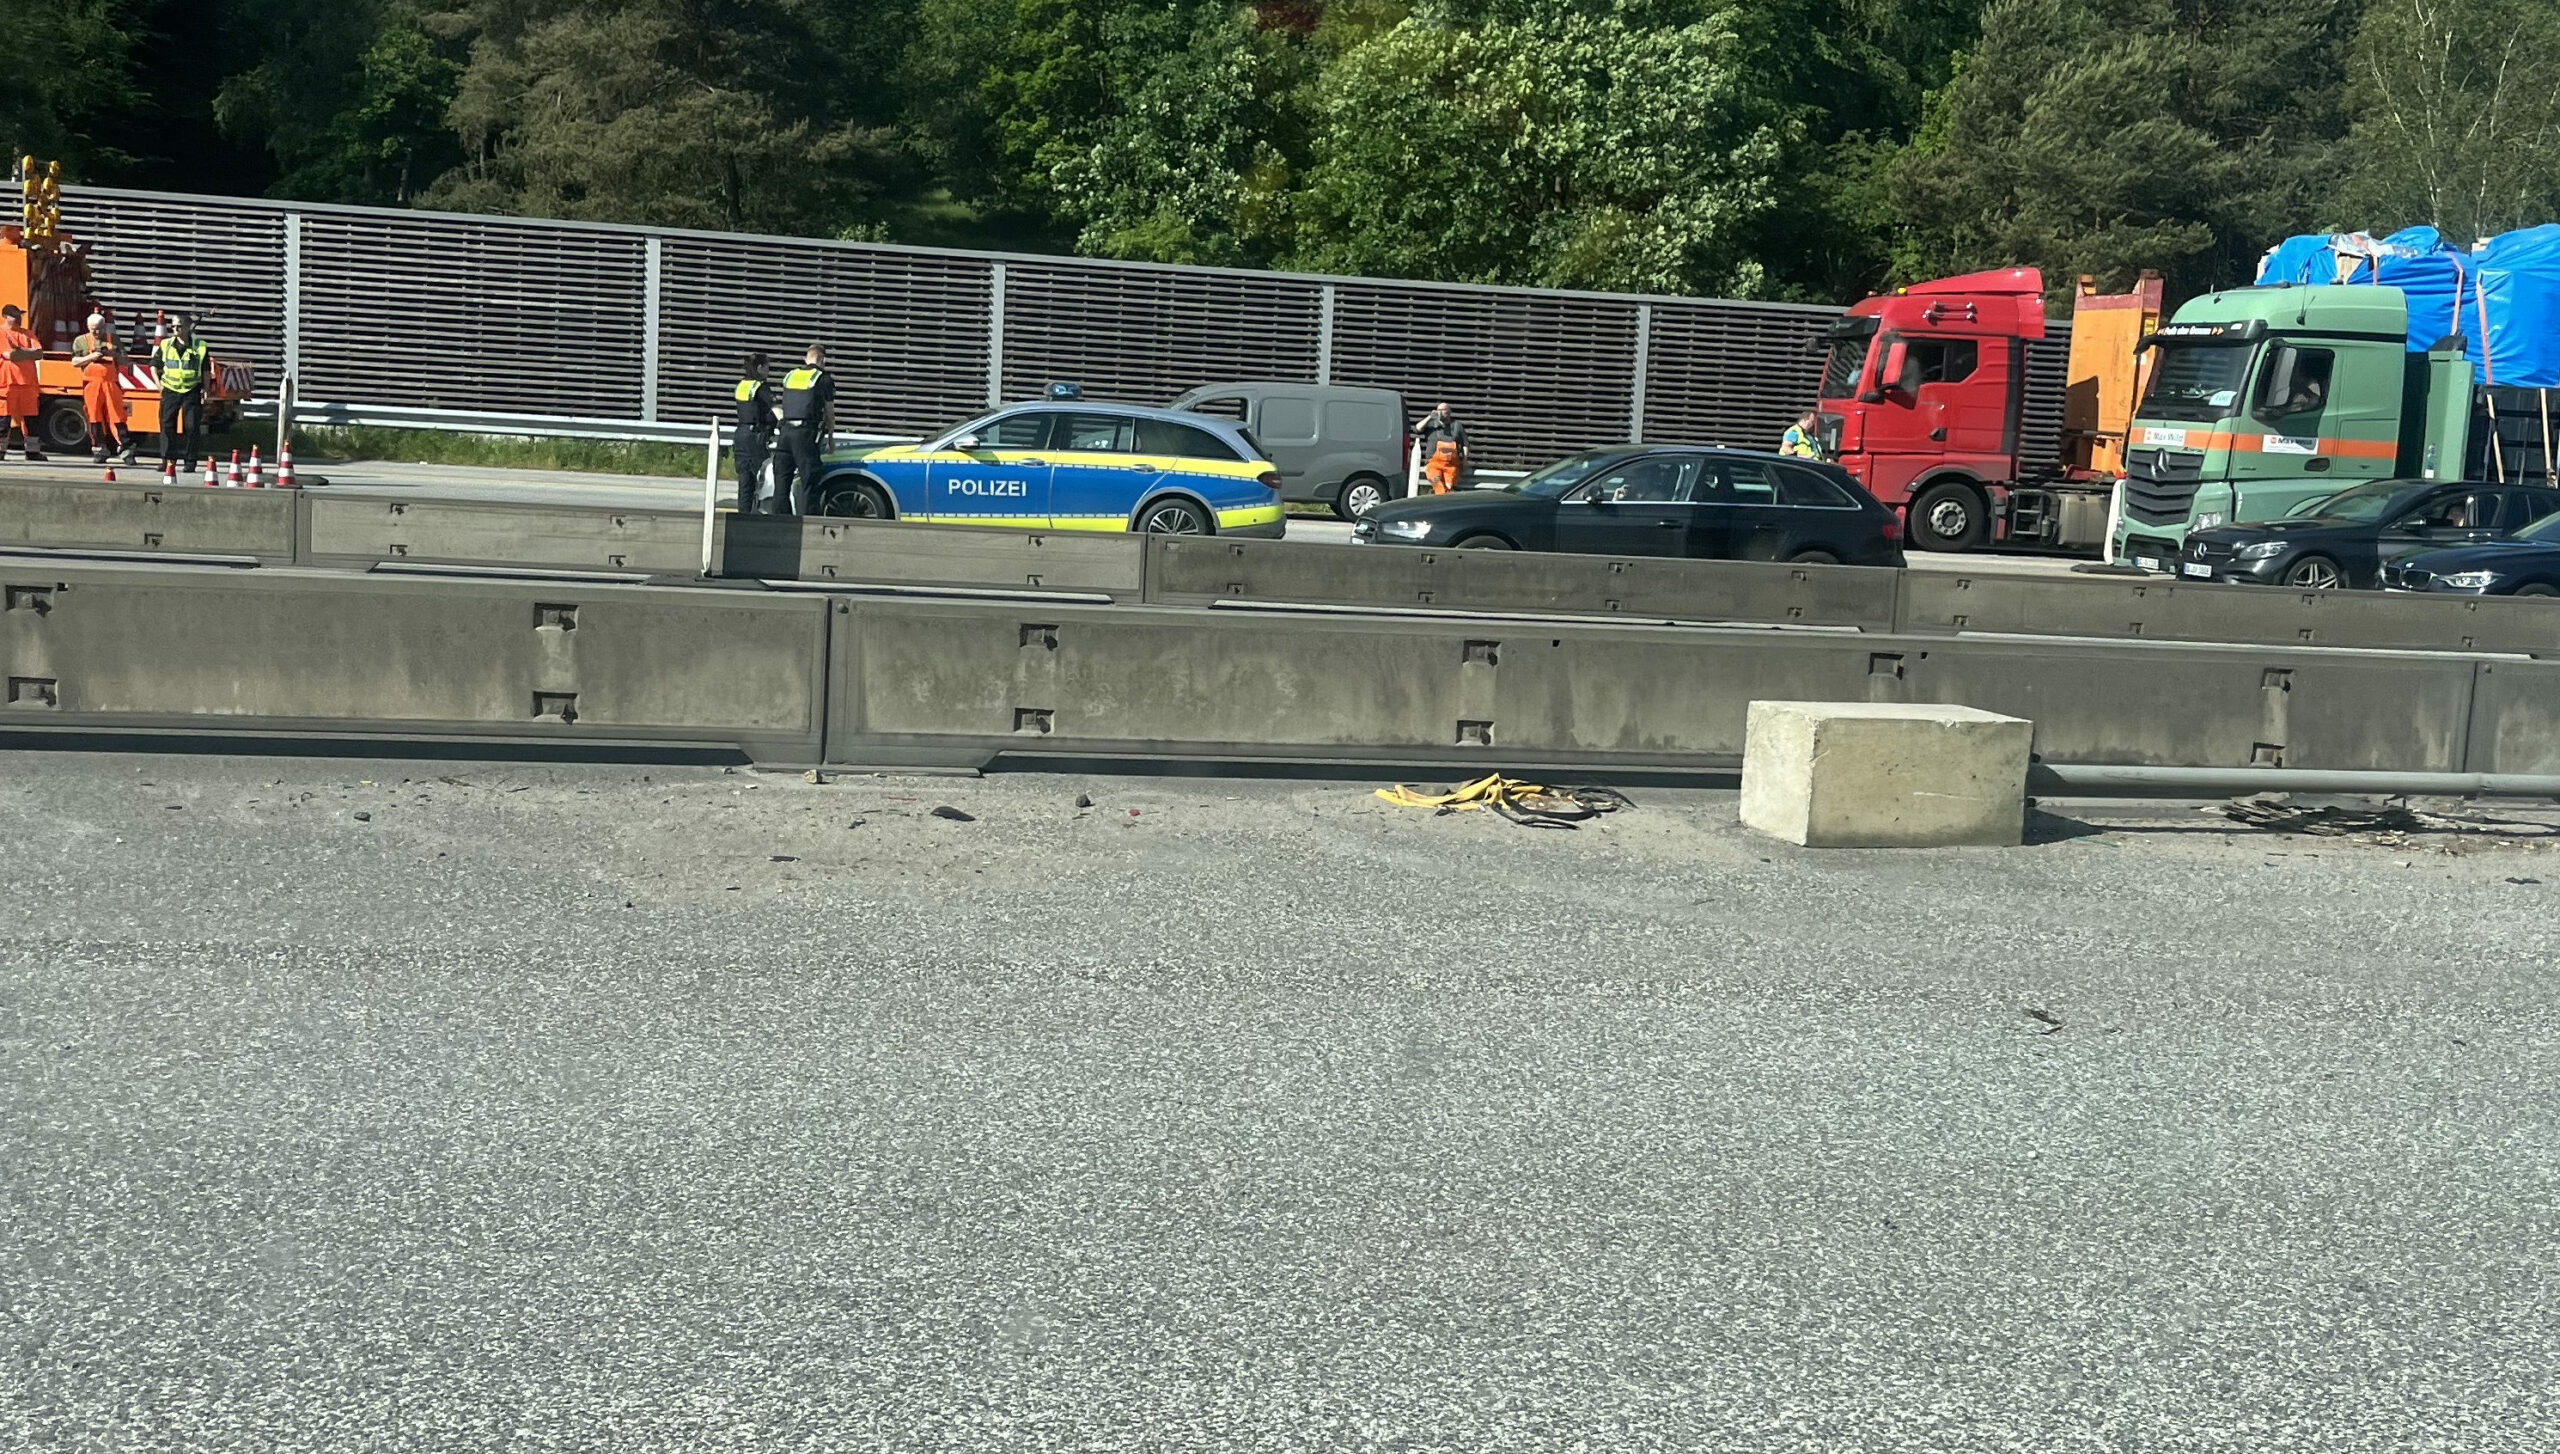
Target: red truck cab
x: 1922, y: 397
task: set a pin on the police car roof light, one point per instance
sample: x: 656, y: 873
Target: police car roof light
x: 1066, y: 391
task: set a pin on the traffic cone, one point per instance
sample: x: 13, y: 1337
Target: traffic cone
x: 284, y: 466
x: 257, y: 471
x: 212, y: 480
x: 233, y: 478
x: 168, y: 470
x: 111, y: 472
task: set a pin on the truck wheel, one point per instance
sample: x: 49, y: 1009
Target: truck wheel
x: 1951, y: 515
x: 1358, y: 496
x: 64, y: 427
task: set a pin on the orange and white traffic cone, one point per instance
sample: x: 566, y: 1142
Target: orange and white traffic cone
x: 111, y: 472
x: 233, y: 478
x: 257, y: 471
x: 284, y: 466
x: 168, y: 470
x: 212, y: 477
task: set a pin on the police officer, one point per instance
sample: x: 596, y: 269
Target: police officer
x: 181, y: 359
x: 808, y: 404
x: 752, y: 441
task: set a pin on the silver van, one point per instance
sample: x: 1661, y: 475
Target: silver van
x: 1335, y: 445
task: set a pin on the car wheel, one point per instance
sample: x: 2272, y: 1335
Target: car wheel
x: 2536, y: 588
x: 1486, y: 542
x: 64, y: 427
x: 1358, y: 496
x: 861, y: 500
x: 1814, y: 557
x: 1950, y: 516
x: 2315, y: 573
x: 1173, y: 517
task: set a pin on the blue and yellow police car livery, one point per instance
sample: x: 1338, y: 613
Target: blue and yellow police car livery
x: 1065, y: 464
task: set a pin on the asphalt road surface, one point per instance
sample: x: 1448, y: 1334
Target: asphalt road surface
x: 380, y: 1105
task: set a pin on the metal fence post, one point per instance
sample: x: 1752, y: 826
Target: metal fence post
x: 650, y: 260
x: 293, y: 295
x: 710, y: 496
x: 1324, y: 336
x: 1644, y: 365
x: 995, y: 335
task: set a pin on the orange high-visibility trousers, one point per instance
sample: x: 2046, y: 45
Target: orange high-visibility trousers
x: 1442, y: 468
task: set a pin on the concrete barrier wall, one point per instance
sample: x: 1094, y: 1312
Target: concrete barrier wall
x: 146, y: 516
x: 89, y: 647
x: 919, y: 678
x: 2155, y: 610
x: 872, y: 552
x: 1198, y: 571
x: 363, y: 530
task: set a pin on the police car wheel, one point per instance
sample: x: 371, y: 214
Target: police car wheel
x: 855, y: 501
x: 1173, y: 517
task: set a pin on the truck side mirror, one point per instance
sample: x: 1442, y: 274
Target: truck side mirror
x: 1888, y: 374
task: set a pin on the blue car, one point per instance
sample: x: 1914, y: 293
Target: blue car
x: 1067, y: 465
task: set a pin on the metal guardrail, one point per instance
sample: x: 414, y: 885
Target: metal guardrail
x: 342, y: 415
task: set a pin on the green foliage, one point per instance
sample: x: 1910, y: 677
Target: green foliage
x: 434, y: 446
x: 1809, y: 149
x: 2458, y: 115
x: 1550, y: 145
x: 63, y: 106
x: 2105, y: 136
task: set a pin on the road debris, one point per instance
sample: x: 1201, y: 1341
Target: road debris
x: 2051, y: 1021
x: 1527, y: 804
x: 2386, y: 822
x: 954, y: 814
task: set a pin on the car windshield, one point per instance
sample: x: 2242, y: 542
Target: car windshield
x: 2366, y: 503
x: 974, y: 426
x: 2199, y: 382
x: 1564, y: 474
x: 1840, y: 372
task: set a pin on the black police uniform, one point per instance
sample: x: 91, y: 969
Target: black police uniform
x: 806, y: 393
x: 753, y: 440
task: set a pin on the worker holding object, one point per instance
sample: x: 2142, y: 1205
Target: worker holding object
x: 1443, y: 442
x: 102, y: 399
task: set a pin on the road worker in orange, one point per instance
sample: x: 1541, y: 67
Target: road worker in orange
x: 1443, y: 442
x: 102, y: 390
x: 19, y: 350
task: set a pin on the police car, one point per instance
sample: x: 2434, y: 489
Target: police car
x: 1062, y: 463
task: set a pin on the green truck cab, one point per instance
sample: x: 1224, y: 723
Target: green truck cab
x: 2261, y: 400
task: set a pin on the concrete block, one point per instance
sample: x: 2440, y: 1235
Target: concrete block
x: 1885, y: 775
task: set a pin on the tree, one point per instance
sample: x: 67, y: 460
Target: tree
x: 2105, y: 136
x: 65, y: 107
x: 1547, y: 144
x: 719, y: 116
x: 2458, y: 106
x: 352, y: 100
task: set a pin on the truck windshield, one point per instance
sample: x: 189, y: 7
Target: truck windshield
x: 2198, y: 382
x: 1848, y: 360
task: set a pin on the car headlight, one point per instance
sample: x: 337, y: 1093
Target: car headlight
x: 2259, y: 550
x: 2469, y: 580
x: 1406, y: 529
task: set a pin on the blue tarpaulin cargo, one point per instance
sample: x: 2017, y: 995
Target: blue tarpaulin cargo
x: 2502, y: 297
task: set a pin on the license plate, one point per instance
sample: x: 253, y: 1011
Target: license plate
x: 2190, y: 568
x: 2147, y: 562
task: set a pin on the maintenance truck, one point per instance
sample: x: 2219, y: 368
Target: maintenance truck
x: 2265, y: 399
x: 45, y: 271
x: 1925, y: 398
